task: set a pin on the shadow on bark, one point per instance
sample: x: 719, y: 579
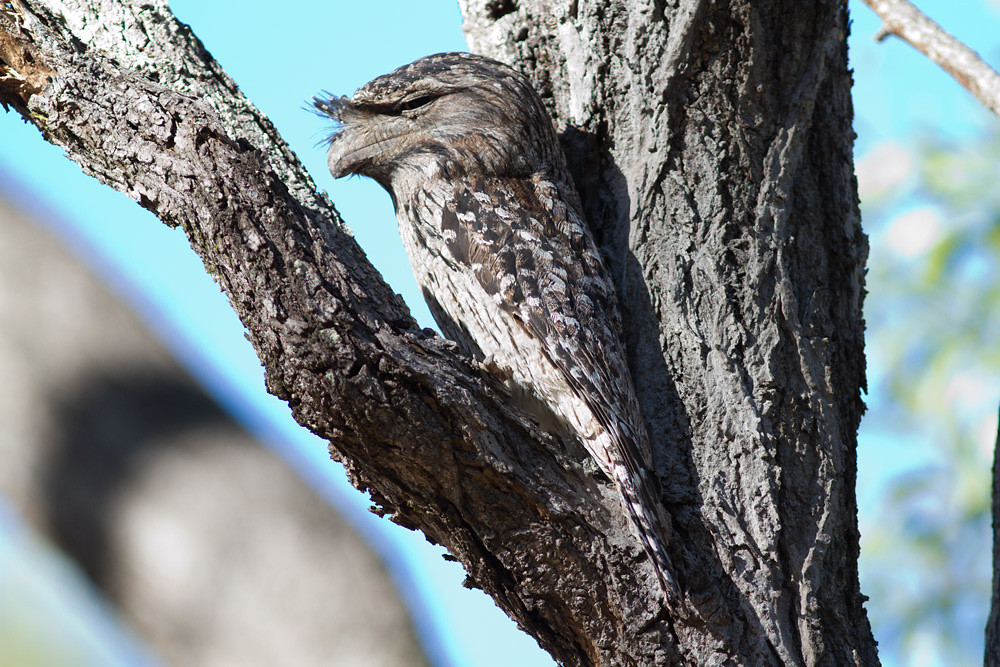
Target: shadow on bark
x: 604, y: 192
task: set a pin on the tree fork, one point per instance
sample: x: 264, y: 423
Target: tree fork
x: 715, y: 163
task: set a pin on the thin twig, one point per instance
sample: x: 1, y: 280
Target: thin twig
x: 902, y: 19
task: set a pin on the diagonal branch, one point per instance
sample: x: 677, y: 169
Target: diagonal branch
x: 903, y: 19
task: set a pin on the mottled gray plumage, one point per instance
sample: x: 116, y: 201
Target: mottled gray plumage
x: 498, y: 243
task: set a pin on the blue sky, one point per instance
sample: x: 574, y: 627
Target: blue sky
x: 280, y: 57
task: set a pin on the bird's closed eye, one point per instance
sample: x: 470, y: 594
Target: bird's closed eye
x: 415, y: 103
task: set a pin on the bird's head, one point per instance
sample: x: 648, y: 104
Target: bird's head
x: 450, y: 115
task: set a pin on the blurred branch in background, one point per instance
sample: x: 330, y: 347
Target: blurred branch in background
x: 213, y: 551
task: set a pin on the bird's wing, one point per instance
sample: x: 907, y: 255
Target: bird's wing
x: 533, y: 255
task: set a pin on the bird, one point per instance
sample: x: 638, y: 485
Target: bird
x: 499, y: 245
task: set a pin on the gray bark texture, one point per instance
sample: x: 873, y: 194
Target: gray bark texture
x: 712, y: 145
x: 992, y: 653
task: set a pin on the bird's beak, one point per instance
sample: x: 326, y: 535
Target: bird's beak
x: 342, y: 158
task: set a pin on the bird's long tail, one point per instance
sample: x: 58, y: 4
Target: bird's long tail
x: 648, y: 517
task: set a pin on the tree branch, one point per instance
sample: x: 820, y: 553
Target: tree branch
x: 992, y: 657
x: 903, y: 19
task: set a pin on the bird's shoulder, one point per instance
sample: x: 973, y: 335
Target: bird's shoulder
x: 526, y: 242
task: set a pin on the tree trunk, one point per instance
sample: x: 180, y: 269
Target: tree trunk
x: 992, y: 652
x: 711, y: 143
x: 713, y: 150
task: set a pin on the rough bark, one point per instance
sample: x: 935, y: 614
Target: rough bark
x: 713, y: 150
x: 992, y: 655
x: 712, y: 146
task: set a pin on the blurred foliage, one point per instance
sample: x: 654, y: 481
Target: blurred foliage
x: 933, y: 318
